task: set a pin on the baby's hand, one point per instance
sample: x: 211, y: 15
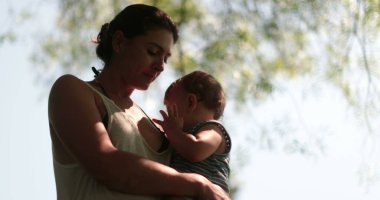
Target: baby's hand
x: 171, y: 122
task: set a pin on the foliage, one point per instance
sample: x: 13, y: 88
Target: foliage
x: 247, y: 44
x: 251, y: 46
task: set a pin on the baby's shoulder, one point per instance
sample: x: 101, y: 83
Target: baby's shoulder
x: 209, y: 125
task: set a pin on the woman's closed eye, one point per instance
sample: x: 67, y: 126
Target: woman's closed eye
x: 153, y: 52
x: 157, y: 53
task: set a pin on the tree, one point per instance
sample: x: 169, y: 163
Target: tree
x: 256, y: 41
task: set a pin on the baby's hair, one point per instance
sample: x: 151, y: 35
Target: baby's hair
x: 207, y: 90
x: 133, y: 21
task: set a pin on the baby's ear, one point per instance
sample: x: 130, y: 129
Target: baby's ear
x: 192, y: 101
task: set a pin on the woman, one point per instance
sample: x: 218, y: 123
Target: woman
x: 104, y: 146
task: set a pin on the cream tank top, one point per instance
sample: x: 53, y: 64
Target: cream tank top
x: 74, y: 183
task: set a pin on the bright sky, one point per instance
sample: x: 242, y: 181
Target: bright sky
x: 25, y: 149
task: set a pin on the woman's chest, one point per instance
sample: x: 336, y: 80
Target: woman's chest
x: 135, y: 128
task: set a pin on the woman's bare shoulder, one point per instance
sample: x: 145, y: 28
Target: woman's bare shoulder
x: 69, y: 84
x: 68, y: 92
x: 67, y: 80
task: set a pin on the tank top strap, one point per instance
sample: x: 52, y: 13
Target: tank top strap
x: 109, y: 103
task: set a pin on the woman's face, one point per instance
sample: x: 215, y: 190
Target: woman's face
x: 143, y: 58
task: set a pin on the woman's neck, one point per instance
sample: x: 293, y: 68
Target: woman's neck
x: 115, y: 88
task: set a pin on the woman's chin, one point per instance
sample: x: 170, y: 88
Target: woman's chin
x: 144, y: 87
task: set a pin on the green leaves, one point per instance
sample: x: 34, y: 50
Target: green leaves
x: 247, y: 45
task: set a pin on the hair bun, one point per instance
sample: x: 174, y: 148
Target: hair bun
x: 103, y: 34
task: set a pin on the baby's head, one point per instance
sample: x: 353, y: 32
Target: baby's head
x: 206, y: 89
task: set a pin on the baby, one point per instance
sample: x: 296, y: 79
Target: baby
x: 202, y: 145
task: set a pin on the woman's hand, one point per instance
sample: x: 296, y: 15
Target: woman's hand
x: 211, y: 191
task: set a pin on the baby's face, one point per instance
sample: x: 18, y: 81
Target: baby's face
x: 178, y: 96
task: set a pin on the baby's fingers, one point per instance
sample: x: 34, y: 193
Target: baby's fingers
x: 170, y: 111
x: 164, y: 115
x: 157, y: 121
x: 175, y: 111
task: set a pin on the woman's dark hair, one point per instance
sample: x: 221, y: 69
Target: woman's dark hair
x: 207, y: 90
x: 133, y: 21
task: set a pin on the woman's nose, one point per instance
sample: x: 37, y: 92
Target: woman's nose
x: 159, y: 65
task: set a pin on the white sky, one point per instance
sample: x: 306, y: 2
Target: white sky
x: 25, y: 152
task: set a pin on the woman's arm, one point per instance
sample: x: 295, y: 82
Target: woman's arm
x: 76, y: 122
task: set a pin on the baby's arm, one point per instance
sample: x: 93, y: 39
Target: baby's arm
x: 196, y: 147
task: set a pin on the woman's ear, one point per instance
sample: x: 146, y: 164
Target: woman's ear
x: 192, y: 101
x: 117, y: 41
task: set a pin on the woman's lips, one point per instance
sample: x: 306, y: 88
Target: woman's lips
x: 151, y: 76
